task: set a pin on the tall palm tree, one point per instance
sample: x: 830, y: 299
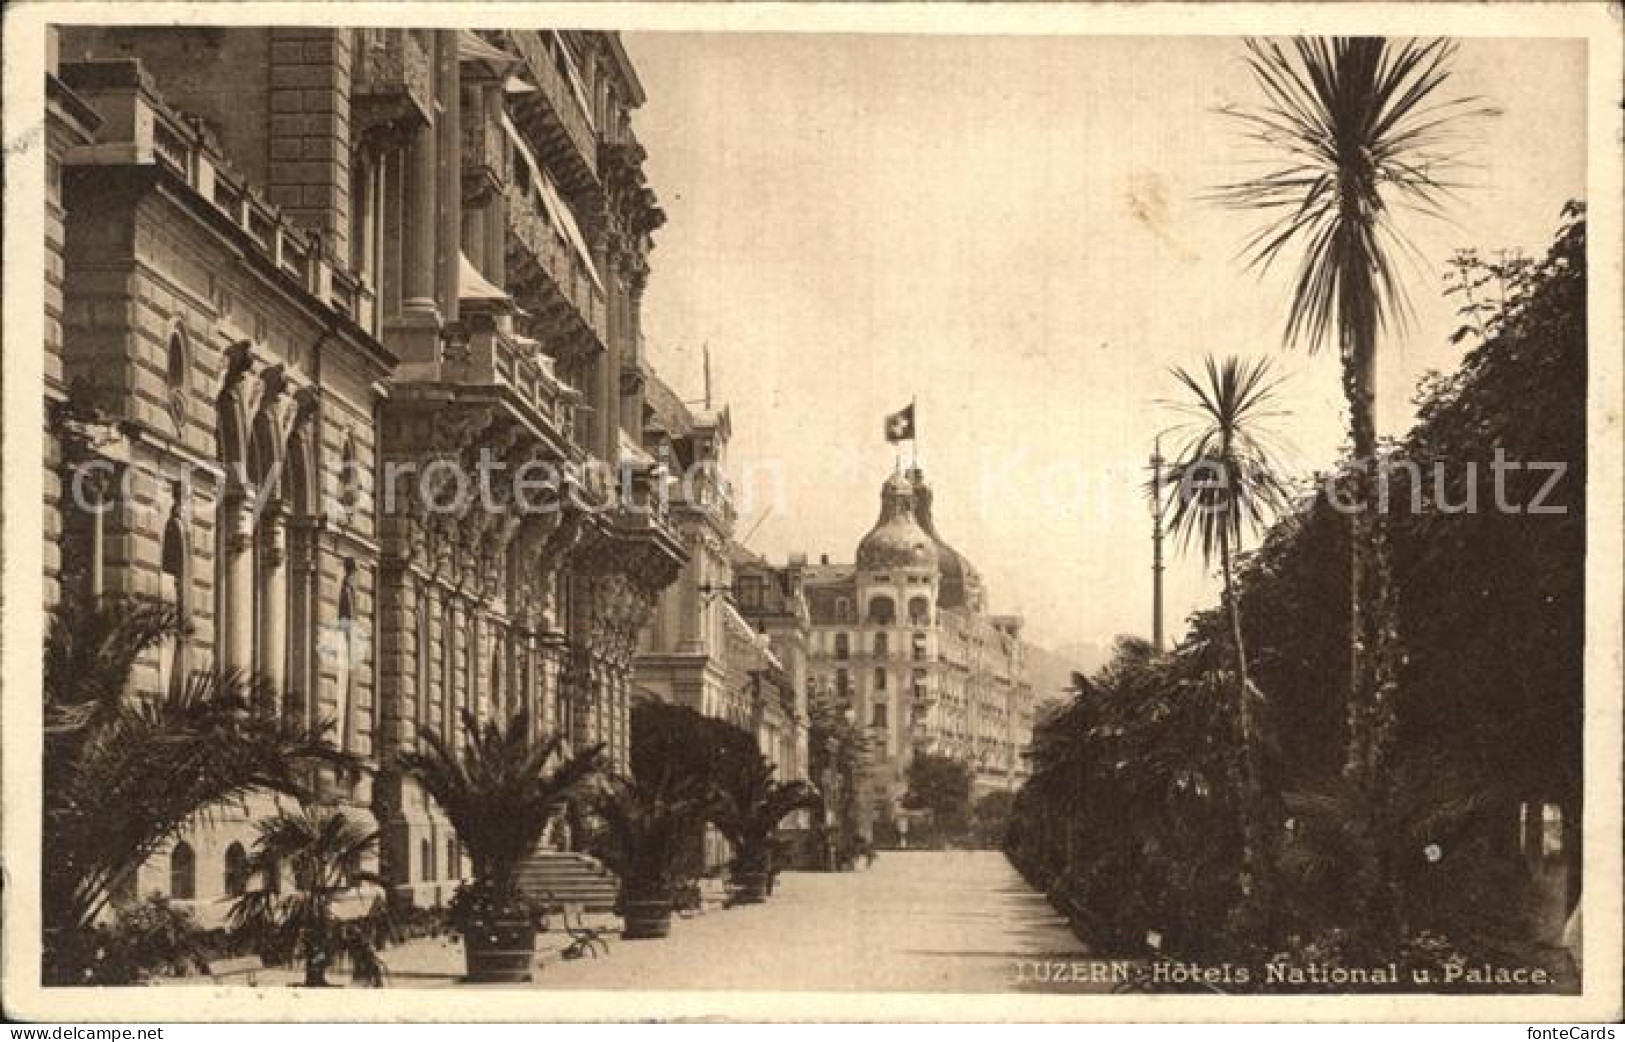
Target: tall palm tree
x: 126, y: 773
x: 499, y: 789
x: 1224, y: 481
x: 1352, y: 131
x: 323, y: 851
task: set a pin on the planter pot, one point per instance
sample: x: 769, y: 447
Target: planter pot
x: 645, y: 917
x: 752, y: 888
x: 501, y: 950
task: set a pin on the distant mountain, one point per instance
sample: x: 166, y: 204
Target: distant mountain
x: 1050, y: 669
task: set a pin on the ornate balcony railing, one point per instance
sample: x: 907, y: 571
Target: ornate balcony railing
x: 157, y: 135
x: 554, y: 115
x: 541, y: 263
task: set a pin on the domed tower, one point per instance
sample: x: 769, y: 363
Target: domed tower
x: 961, y: 583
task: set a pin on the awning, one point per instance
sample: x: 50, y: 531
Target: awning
x: 576, y: 86
x: 471, y: 285
x: 551, y: 203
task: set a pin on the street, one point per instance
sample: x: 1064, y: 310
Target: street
x: 954, y: 921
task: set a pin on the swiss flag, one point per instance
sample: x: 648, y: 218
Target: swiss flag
x: 900, y: 425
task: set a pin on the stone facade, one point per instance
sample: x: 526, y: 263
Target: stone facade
x: 313, y: 282
x: 902, y: 640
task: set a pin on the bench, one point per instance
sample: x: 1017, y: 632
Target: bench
x: 584, y: 940
x: 247, y: 966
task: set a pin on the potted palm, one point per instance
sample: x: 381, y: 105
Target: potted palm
x: 125, y: 774
x: 323, y: 850
x: 747, y: 810
x: 499, y: 789
x: 648, y: 831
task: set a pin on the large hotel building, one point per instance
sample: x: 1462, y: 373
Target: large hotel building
x: 903, y: 641
x: 286, y: 264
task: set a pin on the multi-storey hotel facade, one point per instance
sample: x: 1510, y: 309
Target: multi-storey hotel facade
x: 902, y: 640
x: 317, y: 300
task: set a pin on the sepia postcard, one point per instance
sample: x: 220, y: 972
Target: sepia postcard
x: 812, y: 512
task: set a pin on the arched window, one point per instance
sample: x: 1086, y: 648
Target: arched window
x: 176, y: 365
x: 182, y: 872
x: 236, y: 870
x: 843, y: 646
x: 172, y: 591
x: 882, y: 611
x: 344, y: 652
x: 882, y: 645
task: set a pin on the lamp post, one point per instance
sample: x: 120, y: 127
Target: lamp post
x: 1156, y: 544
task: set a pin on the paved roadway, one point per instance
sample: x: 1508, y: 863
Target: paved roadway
x: 954, y: 921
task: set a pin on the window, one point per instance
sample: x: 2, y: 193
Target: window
x: 919, y: 612
x: 236, y: 870
x: 453, y: 870
x: 271, y: 877
x: 182, y: 872
x: 345, y: 655
x: 843, y: 647
x: 878, y: 715
x: 880, y: 680
x: 751, y: 592
x: 175, y: 368
x: 882, y: 611
x: 843, y: 610
x: 919, y: 647
x: 172, y: 590
x: 843, y: 684
x: 882, y: 646
x: 426, y: 859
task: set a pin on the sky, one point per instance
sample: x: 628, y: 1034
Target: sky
x: 1011, y: 232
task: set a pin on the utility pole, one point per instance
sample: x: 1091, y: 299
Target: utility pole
x: 1156, y: 544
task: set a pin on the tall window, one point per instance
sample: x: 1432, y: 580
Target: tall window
x: 182, y: 872
x: 172, y: 589
x: 882, y: 611
x: 878, y: 717
x: 236, y: 870
x: 882, y: 646
x: 843, y: 610
x: 843, y: 647
x: 843, y: 684
x: 344, y: 649
x: 880, y: 680
x: 426, y: 859
x: 919, y: 647
x: 919, y: 611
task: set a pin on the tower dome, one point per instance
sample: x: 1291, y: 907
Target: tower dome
x: 897, y: 540
x: 961, y: 583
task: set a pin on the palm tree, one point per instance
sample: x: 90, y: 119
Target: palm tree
x: 1353, y: 130
x: 323, y: 850
x: 125, y: 774
x: 500, y: 790
x: 1223, y: 481
x: 748, y: 807
x: 649, y: 830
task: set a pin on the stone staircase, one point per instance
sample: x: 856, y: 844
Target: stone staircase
x: 569, y: 877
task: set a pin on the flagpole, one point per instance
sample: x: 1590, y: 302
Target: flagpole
x: 914, y: 442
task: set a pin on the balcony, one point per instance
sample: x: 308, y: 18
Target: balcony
x: 393, y: 79
x: 497, y: 359
x: 549, y: 275
x: 139, y: 129
x: 486, y: 164
x: 554, y: 115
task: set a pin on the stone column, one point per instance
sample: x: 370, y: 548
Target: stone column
x: 449, y: 151
x: 418, y: 220
x: 236, y: 627
x: 273, y: 600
